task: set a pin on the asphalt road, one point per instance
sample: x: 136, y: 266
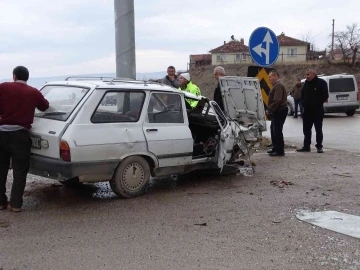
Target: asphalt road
x: 340, y: 132
x: 198, y: 221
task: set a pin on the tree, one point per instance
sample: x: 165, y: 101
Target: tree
x: 308, y: 37
x: 348, y: 42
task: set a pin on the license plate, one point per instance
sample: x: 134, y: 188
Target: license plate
x: 342, y: 97
x: 35, y: 142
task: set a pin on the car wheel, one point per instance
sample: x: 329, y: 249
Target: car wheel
x: 72, y: 183
x: 350, y: 113
x: 131, y: 177
x: 290, y: 110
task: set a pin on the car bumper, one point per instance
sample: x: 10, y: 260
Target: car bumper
x: 61, y: 170
x: 334, y: 109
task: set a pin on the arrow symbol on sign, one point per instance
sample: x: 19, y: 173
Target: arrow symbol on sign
x: 259, y: 49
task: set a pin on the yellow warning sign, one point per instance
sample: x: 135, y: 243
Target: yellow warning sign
x: 263, y: 75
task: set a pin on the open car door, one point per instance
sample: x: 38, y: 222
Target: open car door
x: 226, y: 137
x: 243, y: 101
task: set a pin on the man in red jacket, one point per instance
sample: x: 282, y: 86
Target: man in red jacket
x: 17, y: 108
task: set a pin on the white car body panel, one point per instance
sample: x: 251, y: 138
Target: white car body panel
x: 97, y: 149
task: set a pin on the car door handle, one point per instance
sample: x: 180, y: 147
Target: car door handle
x: 151, y: 130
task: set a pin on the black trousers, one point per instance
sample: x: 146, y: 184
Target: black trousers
x: 17, y: 146
x: 311, y: 119
x: 276, y: 130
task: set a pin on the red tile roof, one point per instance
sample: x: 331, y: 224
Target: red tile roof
x: 289, y: 41
x: 231, y: 47
x: 200, y: 57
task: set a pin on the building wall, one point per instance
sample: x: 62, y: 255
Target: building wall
x: 299, y: 54
x: 231, y: 58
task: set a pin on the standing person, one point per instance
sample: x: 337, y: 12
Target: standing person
x: 171, y: 78
x: 277, y: 112
x: 17, y: 107
x: 314, y: 94
x: 187, y: 86
x: 296, y: 93
x: 219, y: 72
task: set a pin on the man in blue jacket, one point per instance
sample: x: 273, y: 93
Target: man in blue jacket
x: 314, y: 94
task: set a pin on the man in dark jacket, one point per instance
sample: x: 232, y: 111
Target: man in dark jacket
x: 218, y: 72
x: 314, y: 94
x: 171, y: 79
x: 277, y: 112
x: 17, y: 106
x: 296, y: 94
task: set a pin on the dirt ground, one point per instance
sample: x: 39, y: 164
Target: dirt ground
x: 203, y: 76
x: 196, y: 222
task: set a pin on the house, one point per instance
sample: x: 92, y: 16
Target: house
x: 292, y: 50
x: 231, y: 52
x: 200, y: 60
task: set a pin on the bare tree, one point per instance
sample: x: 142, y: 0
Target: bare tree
x: 348, y: 42
x: 309, y: 37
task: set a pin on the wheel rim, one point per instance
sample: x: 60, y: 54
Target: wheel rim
x: 133, y: 176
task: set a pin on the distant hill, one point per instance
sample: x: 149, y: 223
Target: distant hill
x: 203, y: 77
x: 39, y: 82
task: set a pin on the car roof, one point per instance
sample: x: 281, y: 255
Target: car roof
x: 334, y: 76
x: 118, y: 84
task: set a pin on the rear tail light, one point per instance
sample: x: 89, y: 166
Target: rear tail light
x: 326, y: 101
x: 358, y: 96
x: 65, y: 151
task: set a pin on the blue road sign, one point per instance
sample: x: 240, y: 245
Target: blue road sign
x: 264, y: 47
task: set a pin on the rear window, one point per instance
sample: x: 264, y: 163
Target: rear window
x: 341, y: 85
x: 63, y: 101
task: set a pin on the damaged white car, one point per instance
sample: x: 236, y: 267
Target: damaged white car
x: 147, y: 131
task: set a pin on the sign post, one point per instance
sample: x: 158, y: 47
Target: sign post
x: 264, y: 50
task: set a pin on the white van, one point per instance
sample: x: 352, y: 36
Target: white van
x: 343, y: 94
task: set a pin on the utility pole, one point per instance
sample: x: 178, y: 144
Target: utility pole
x: 125, y: 38
x: 332, y: 39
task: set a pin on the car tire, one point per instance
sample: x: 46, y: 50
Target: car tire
x: 350, y: 113
x: 131, y: 178
x: 72, y: 183
x: 290, y: 109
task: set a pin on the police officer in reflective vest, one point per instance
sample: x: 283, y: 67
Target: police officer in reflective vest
x: 187, y: 86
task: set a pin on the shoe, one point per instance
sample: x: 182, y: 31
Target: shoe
x: 12, y: 209
x: 303, y: 150
x: 320, y: 150
x: 271, y: 151
x: 270, y: 145
x: 277, y: 154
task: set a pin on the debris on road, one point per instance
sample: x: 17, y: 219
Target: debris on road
x: 281, y: 183
x: 343, y: 175
x: 198, y: 193
x: 334, y: 221
x: 276, y: 221
x: 201, y: 224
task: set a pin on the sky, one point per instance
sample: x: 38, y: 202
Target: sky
x: 67, y: 37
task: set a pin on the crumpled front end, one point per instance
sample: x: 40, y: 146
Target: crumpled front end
x: 247, y: 142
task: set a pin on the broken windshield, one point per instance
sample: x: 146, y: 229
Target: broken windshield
x: 63, y: 100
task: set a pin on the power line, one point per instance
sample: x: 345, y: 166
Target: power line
x: 321, y: 32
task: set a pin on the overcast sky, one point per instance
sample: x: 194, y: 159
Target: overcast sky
x: 64, y: 37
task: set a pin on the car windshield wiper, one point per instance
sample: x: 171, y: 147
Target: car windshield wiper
x: 50, y: 113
